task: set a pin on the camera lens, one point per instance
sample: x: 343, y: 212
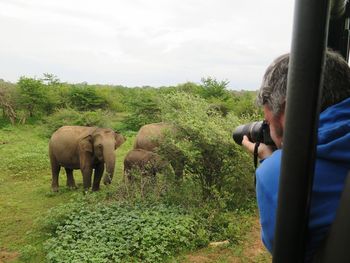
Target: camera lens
x: 238, y: 134
x: 252, y: 130
x: 258, y: 131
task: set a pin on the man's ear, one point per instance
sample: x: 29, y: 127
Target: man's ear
x: 85, y: 144
x: 282, y: 117
x: 282, y: 114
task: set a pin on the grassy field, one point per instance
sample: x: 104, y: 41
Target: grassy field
x: 25, y: 193
x: 25, y: 196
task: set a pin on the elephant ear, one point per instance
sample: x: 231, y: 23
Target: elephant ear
x: 85, y: 144
x: 119, y: 140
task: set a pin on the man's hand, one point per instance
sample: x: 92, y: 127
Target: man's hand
x: 264, y: 151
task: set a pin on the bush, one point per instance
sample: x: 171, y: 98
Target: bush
x: 212, y: 88
x: 244, y: 105
x: 72, y: 117
x: 86, y: 98
x: 124, y: 233
x: 145, y: 110
x: 212, y: 158
x: 32, y: 94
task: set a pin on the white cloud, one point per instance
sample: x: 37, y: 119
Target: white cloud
x: 139, y: 42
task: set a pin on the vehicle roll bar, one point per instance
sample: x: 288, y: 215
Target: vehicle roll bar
x: 304, y: 89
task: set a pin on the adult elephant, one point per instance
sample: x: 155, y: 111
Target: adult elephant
x: 84, y: 148
x: 151, y: 136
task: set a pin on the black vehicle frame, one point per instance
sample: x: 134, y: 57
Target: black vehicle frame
x: 317, y: 24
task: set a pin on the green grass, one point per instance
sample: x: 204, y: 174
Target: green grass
x: 25, y: 193
x: 26, y: 197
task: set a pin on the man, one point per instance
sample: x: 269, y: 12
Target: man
x: 333, y: 148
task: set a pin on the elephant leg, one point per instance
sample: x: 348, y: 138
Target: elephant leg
x: 70, y: 178
x: 97, y: 176
x: 87, y: 173
x: 55, y: 170
x: 86, y: 161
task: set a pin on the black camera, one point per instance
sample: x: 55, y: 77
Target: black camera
x: 258, y: 131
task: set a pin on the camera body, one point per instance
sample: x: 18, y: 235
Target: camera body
x: 258, y: 131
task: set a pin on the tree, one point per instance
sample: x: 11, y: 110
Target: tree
x: 7, y: 102
x: 53, y: 89
x: 145, y: 109
x: 244, y: 105
x: 214, y: 89
x: 51, y: 79
x: 86, y: 99
x: 32, y: 95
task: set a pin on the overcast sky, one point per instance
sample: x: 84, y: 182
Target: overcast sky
x: 143, y: 42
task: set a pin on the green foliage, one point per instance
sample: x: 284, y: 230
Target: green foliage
x: 32, y: 95
x: 215, y: 92
x: 64, y: 117
x: 114, y: 97
x: 124, y: 233
x: 19, y: 159
x: 89, y: 230
x: 204, y: 139
x: 213, y: 88
x: 145, y: 110
x: 56, y: 216
x: 62, y: 93
x: 51, y: 79
x: 38, y: 96
x: 223, y: 225
x: 8, y: 101
x: 244, y: 106
x: 55, y: 92
x: 86, y: 98
x: 188, y: 87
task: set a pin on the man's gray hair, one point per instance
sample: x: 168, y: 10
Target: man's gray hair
x: 336, y: 82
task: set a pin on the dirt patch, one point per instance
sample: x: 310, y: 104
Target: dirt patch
x: 212, y: 256
x: 254, y: 246
x: 197, y: 259
x: 7, y: 256
x: 252, y: 250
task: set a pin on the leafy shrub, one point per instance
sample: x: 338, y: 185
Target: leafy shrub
x: 145, y: 109
x: 244, y: 105
x: 95, y: 118
x: 114, y: 97
x: 86, y: 98
x: 212, y: 88
x: 72, y: 117
x: 212, y: 159
x: 56, y: 216
x: 220, y: 224
x: 142, y: 185
x: 124, y: 233
x: 189, y: 87
x: 32, y: 94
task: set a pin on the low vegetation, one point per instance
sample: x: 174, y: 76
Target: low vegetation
x: 213, y: 202
x: 121, y: 232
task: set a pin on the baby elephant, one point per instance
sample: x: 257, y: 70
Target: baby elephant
x: 146, y: 162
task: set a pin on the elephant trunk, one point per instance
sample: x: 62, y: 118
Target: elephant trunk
x: 109, y: 157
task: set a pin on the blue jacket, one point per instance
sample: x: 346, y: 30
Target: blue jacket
x: 332, y: 166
